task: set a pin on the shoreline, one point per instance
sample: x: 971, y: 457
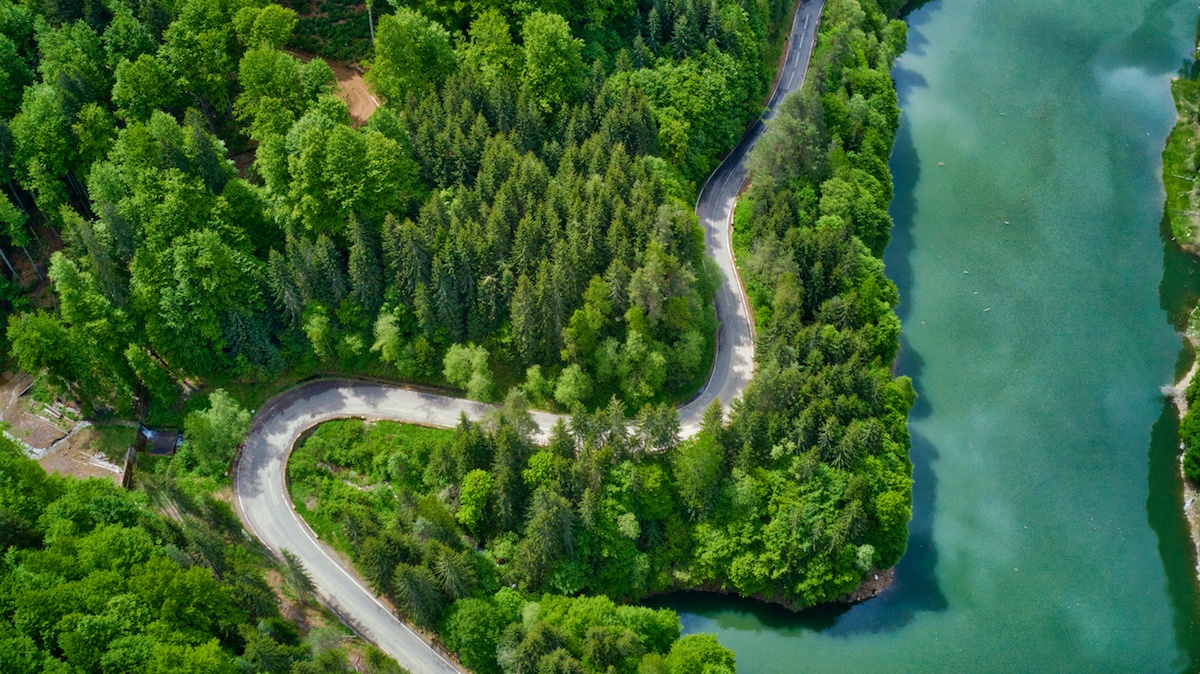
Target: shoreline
x: 877, y: 581
x: 1179, y: 181
x: 1190, y: 490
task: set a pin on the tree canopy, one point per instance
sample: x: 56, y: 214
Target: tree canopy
x: 97, y: 579
x: 515, y: 221
x: 526, y: 188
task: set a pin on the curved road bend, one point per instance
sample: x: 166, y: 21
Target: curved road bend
x: 259, y: 483
x: 733, y: 366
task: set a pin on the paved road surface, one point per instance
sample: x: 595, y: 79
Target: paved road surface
x: 734, y: 363
x: 259, y: 484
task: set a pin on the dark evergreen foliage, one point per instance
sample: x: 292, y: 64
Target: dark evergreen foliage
x: 528, y: 192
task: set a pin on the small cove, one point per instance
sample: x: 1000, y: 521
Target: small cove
x: 1047, y: 531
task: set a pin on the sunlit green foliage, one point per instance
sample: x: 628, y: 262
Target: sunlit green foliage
x: 601, y: 511
x: 1189, y: 432
x: 823, y: 416
x: 520, y: 206
x: 213, y: 435
x: 402, y: 501
x: 526, y: 187
x: 1180, y: 175
x: 95, y: 579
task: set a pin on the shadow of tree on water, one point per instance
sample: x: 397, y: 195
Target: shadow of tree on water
x: 1178, y: 292
x: 915, y: 589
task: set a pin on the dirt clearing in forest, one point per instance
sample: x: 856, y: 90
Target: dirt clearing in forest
x: 54, y: 436
x: 351, y: 88
x: 78, y: 457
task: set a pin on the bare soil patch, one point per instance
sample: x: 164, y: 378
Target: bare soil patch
x: 877, y: 582
x: 29, y: 421
x: 244, y: 160
x: 53, y: 434
x: 351, y: 87
x: 76, y: 458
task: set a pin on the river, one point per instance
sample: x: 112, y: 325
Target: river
x: 1039, y: 326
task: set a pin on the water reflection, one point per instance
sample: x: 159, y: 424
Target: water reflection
x: 1071, y: 376
x: 1174, y: 545
x: 1180, y: 287
x: 1178, y: 293
x: 915, y: 588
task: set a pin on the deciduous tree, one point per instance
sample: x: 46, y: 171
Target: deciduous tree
x: 211, y: 436
x: 412, y: 54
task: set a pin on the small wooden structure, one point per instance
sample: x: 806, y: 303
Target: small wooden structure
x: 158, y: 442
x: 127, y: 472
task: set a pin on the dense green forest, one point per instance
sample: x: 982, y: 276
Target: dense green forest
x: 819, y: 442
x: 161, y: 579
x: 517, y: 215
x: 797, y: 498
x: 476, y: 532
x: 524, y: 193
x: 96, y: 579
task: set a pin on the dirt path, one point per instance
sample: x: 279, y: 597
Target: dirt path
x: 351, y: 88
x: 28, y: 422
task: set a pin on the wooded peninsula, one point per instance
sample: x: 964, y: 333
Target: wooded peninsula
x: 193, y: 222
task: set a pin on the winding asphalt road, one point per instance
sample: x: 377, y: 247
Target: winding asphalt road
x: 259, y: 483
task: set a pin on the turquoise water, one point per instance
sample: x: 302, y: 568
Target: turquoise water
x: 1039, y: 325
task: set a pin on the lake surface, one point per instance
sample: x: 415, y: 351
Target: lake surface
x: 1047, y: 532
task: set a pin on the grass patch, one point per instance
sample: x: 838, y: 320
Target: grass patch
x: 112, y: 440
x: 340, y: 476
x: 758, y: 293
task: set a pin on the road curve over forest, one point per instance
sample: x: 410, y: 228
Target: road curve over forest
x: 259, y: 479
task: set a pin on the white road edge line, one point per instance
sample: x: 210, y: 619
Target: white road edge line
x: 343, y: 609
